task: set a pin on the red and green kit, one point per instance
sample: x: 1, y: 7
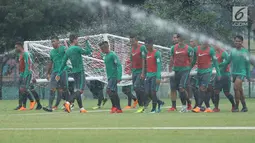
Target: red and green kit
x: 137, y: 55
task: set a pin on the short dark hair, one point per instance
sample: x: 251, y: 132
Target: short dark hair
x: 177, y: 35
x: 239, y: 37
x: 102, y: 43
x: 72, y: 37
x: 149, y: 41
x: 54, y: 37
x: 132, y: 35
x: 19, y: 43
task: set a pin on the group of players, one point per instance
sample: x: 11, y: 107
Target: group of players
x: 146, y: 75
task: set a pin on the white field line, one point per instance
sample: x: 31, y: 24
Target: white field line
x: 52, y: 113
x: 133, y: 128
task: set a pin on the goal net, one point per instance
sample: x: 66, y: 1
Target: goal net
x: 93, y: 64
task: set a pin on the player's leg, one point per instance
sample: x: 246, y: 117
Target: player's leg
x: 20, y: 96
x: 242, y: 97
x: 218, y: 86
x: 226, y: 90
x: 147, y: 89
x: 237, y: 85
x: 113, y: 93
x: 99, y: 92
x: 79, y: 88
x: 138, y: 85
x: 154, y: 88
x: 193, y: 84
x: 204, y: 88
x: 184, y: 75
x: 125, y: 90
x: 53, y: 89
x: 173, y: 94
x: 36, y: 96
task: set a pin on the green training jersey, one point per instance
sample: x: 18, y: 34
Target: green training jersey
x: 240, y: 64
x: 222, y: 58
x: 179, y: 56
x: 113, y: 66
x: 56, y: 57
x: 74, y: 53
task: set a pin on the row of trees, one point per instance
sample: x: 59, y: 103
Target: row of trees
x: 39, y: 19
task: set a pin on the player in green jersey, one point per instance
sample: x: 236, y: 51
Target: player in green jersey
x: 56, y: 57
x: 114, y: 75
x: 74, y: 53
x: 240, y: 69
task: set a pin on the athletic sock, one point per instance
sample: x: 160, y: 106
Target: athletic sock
x: 183, y: 97
x: 117, y: 101
x: 59, y: 95
x: 78, y: 98
x: 154, y: 106
x: 207, y: 100
x: 174, y: 104
x: 51, y: 98
x: 231, y: 99
x: 29, y: 96
x: 37, y: 97
x: 129, y: 101
x: 201, y: 98
x: 216, y: 100
x: 20, y: 99
x: 243, y: 103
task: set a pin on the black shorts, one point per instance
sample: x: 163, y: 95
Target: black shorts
x: 181, y: 79
x: 62, y: 83
x: 112, y: 85
x: 172, y: 83
x: 241, y: 77
x: 150, y: 85
x: 138, y: 83
x: 203, y: 79
x: 223, y: 84
x: 79, y: 80
x: 25, y: 83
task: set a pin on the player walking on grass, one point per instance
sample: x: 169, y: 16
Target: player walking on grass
x: 240, y: 67
x: 153, y: 75
x: 181, y: 55
x: 25, y: 70
x: 138, y: 53
x: 224, y: 83
x: 193, y: 79
x: 96, y: 87
x: 114, y: 75
x: 74, y: 53
x: 127, y: 90
x: 204, y: 56
x: 56, y: 59
x: 173, y: 93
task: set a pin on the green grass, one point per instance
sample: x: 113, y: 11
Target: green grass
x: 40, y: 119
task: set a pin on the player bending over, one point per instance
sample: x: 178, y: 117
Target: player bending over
x: 181, y: 55
x: 224, y: 83
x: 153, y: 75
x: 204, y: 55
x: 56, y: 59
x: 25, y: 70
x: 240, y: 67
x: 74, y: 53
x: 114, y: 75
x: 173, y: 93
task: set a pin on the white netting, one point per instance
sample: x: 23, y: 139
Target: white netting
x: 93, y: 64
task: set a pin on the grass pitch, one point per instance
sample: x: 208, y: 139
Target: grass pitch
x: 100, y: 126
